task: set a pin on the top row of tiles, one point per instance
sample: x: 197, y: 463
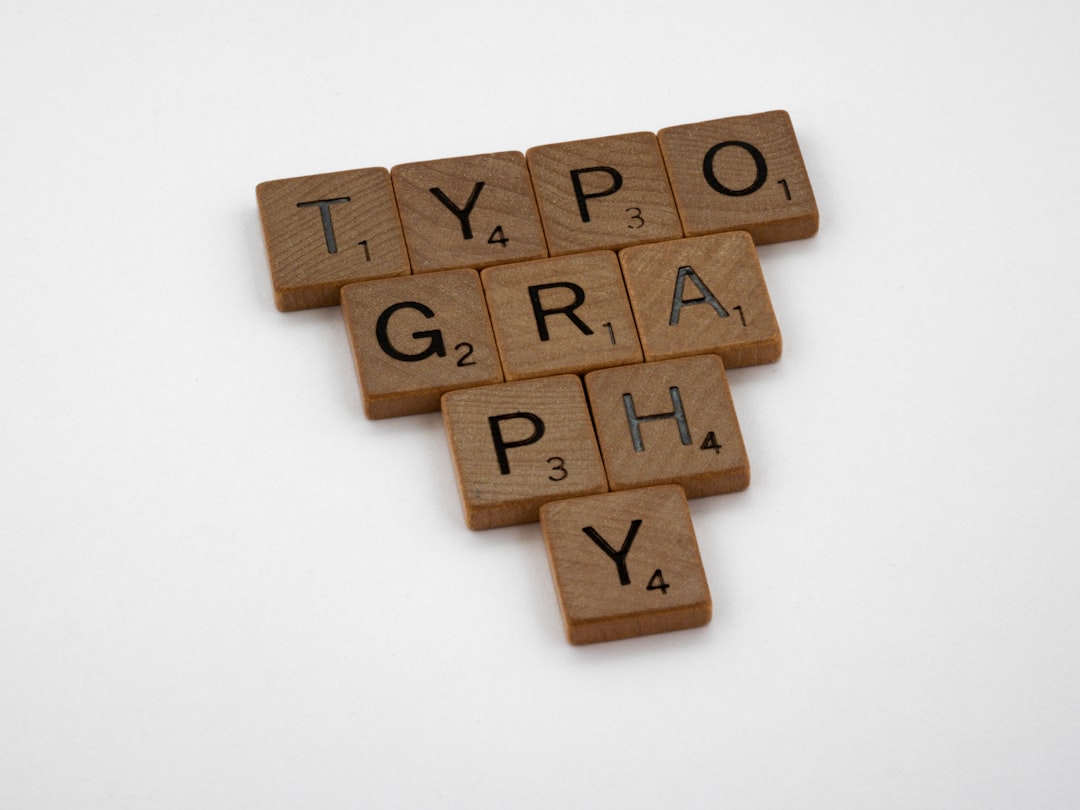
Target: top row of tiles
x: 743, y: 173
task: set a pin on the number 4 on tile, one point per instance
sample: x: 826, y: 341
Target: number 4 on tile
x: 656, y: 582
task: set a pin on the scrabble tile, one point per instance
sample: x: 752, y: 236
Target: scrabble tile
x: 468, y: 211
x: 417, y: 337
x: 744, y: 173
x: 565, y: 315
x: 521, y: 444
x: 702, y: 295
x: 328, y: 230
x: 669, y: 422
x: 603, y: 193
x: 625, y: 564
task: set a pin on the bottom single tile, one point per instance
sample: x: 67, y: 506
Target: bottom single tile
x: 625, y: 564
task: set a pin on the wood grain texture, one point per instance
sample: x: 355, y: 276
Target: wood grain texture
x: 564, y: 315
x: 648, y: 579
x: 603, y: 193
x: 468, y: 211
x: 415, y: 338
x: 703, y: 451
x: 518, y: 445
x: 328, y: 230
x: 742, y: 173
x: 702, y: 295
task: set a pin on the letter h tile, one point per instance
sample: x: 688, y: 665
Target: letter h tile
x: 671, y: 421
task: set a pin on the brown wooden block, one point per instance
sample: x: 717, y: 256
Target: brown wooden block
x: 603, y: 193
x: 625, y: 564
x: 702, y: 295
x: 565, y: 315
x: 669, y: 422
x: 521, y: 444
x: 328, y: 230
x: 468, y: 211
x: 743, y: 173
x: 415, y: 338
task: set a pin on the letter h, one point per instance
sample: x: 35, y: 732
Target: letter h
x: 678, y: 414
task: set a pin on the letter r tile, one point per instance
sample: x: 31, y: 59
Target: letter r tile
x: 669, y: 422
x: 564, y: 315
x: 625, y: 564
x: 744, y: 173
x: 417, y: 337
x: 468, y: 211
x: 603, y: 193
x: 518, y: 445
x: 328, y: 230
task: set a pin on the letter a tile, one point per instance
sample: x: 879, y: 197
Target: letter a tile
x: 669, y: 422
x: 520, y: 444
x: 328, y: 230
x: 741, y: 174
x: 415, y: 338
x: 701, y: 295
x: 625, y: 564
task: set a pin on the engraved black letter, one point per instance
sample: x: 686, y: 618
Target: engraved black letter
x: 618, y: 556
x: 461, y: 213
x: 541, y: 314
x: 501, y: 445
x: 327, y: 222
x: 679, y: 415
x: 582, y: 197
x: 678, y: 302
x: 759, y: 163
x: 435, y: 346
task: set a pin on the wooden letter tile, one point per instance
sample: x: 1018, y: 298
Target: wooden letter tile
x: 328, y: 230
x: 625, y: 564
x: 521, y: 444
x: 702, y: 295
x: 672, y: 421
x: 415, y: 338
x: 744, y: 173
x: 468, y: 211
x: 565, y: 315
x: 603, y: 193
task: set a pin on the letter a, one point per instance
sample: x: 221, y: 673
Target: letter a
x: 678, y: 302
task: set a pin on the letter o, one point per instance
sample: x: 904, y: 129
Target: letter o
x: 716, y: 185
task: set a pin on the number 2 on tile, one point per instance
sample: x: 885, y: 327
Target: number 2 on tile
x: 464, y: 359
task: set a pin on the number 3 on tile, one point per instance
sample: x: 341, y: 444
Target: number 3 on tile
x: 557, y: 466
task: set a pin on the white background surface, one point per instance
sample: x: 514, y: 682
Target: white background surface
x: 222, y: 587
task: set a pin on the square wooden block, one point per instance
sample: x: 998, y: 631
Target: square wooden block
x: 603, y: 193
x: 468, y: 211
x: 519, y: 445
x: 702, y: 295
x: 328, y: 230
x: 565, y: 315
x: 625, y: 564
x: 415, y: 338
x: 744, y: 173
x: 669, y: 422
